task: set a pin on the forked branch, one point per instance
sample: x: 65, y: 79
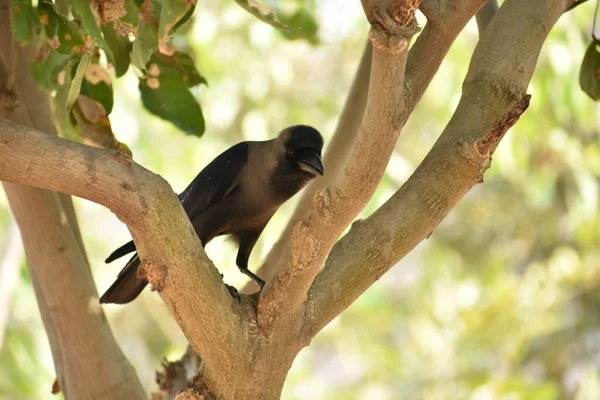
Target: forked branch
x: 493, y: 99
x: 175, y: 262
x: 335, y: 207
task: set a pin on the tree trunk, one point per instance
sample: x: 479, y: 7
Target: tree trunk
x: 89, y: 364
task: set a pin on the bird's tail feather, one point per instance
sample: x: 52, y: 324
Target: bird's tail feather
x: 127, y: 286
x: 127, y: 248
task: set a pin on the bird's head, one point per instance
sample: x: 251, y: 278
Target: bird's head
x: 303, y: 145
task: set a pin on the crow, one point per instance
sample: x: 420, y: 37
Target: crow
x: 236, y: 194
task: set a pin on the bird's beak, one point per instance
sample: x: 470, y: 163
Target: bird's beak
x: 310, y: 161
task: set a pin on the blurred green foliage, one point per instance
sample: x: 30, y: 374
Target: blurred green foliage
x: 500, y: 303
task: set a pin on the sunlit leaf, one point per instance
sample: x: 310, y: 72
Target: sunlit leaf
x: 145, y: 44
x: 77, y: 80
x: 172, y: 12
x: 171, y: 100
x: 179, y: 65
x: 184, y: 19
x: 61, y: 112
x: 120, y: 46
x: 589, y: 76
x: 131, y: 18
x: 262, y: 12
x: 146, y: 41
x: 23, y: 20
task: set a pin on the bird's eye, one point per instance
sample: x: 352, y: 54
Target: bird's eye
x: 290, y: 152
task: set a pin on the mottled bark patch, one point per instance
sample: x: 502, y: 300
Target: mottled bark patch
x: 488, y: 143
x: 155, y: 274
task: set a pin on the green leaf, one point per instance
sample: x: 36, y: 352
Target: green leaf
x: 171, y: 100
x: 131, y: 19
x: 261, y: 12
x: 145, y: 44
x: 120, y: 46
x: 146, y: 41
x: 63, y: 6
x: 75, y: 86
x: 156, y: 8
x: 23, y: 18
x: 184, y: 19
x: 589, y: 76
x: 62, y: 114
x: 47, y: 66
x: 84, y: 12
x: 303, y: 26
x: 64, y: 35
x: 179, y: 65
x: 172, y: 12
x: 97, y: 86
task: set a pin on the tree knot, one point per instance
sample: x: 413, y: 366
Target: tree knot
x: 8, y: 102
x: 121, y: 156
x: 155, y: 274
x: 393, y: 25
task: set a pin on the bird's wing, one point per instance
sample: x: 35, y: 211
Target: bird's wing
x: 215, y: 181
x: 212, y: 184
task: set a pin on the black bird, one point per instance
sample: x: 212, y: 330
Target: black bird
x: 236, y: 194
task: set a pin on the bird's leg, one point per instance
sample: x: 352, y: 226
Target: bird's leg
x: 255, y: 278
x: 246, y: 243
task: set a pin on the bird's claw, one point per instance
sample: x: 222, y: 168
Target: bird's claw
x: 234, y: 293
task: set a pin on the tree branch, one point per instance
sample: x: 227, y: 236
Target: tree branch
x: 493, y: 98
x: 432, y: 45
x: 173, y: 259
x: 327, y: 223
x: 335, y: 207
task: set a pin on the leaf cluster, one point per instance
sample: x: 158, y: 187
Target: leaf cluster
x: 78, y: 43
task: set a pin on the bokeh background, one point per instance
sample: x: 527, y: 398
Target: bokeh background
x: 501, y: 302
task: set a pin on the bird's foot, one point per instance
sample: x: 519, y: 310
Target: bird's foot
x: 234, y: 293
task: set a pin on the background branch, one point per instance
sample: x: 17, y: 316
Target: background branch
x: 432, y: 45
x: 485, y: 15
x: 500, y: 71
